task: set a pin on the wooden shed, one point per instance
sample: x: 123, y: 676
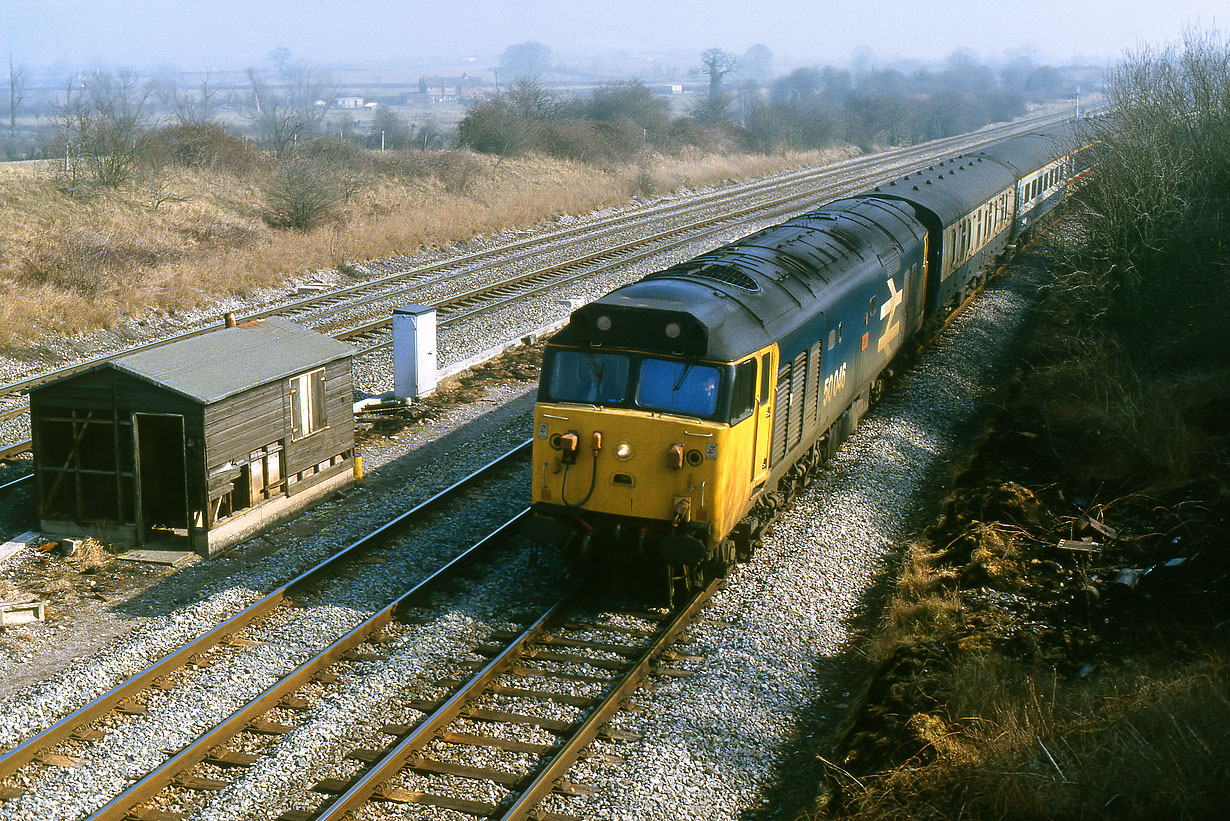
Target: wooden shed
x: 199, y: 443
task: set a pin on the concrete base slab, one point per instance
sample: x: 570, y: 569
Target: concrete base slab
x: 18, y: 542
x: 12, y: 613
x: 174, y: 558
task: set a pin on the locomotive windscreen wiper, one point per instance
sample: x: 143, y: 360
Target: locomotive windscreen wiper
x: 594, y: 368
x: 683, y: 374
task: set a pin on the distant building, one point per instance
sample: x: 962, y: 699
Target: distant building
x: 447, y: 89
x: 670, y: 88
x: 349, y: 102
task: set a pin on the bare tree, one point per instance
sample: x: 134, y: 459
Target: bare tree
x: 102, y: 126
x: 190, y: 106
x: 276, y: 123
x: 291, y: 109
x: 756, y: 65
x: 390, y: 130
x: 65, y: 115
x: 280, y: 57
x: 525, y: 61
x: 716, y: 64
x: 17, y: 91
x: 715, y: 106
x: 309, y: 93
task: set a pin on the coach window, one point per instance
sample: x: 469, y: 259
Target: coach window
x: 743, y: 392
x: 307, y: 403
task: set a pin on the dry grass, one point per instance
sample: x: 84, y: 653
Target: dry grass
x: 1007, y: 685
x: 924, y: 603
x: 1154, y: 428
x: 182, y: 238
x: 91, y: 556
x: 1017, y: 743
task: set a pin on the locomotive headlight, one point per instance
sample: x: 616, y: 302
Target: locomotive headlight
x: 673, y: 330
x: 603, y: 322
x: 623, y: 451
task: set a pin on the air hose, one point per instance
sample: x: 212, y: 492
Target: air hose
x: 593, y: 482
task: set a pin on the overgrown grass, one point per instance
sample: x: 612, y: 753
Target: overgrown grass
x: 1015, y: 741
x: 180, y: 237
x: 1012, y: 680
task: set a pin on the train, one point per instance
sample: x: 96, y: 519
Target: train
x: 677, y: 414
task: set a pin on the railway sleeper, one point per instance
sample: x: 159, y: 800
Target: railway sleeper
x: 198, y: 782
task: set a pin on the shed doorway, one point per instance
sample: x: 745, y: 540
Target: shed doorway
x: 162, y: 500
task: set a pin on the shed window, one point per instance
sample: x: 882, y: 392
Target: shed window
x: 307, y: 403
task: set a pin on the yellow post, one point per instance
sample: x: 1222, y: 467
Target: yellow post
x: 358, y: 468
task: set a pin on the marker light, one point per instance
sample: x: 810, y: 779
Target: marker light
x: 623, y: 451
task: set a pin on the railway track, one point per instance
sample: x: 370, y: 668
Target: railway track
x: 15, y: 483
x: 619, y: 659
x: 527, y: 701
x: 463, y: 288
x: 61, y: 741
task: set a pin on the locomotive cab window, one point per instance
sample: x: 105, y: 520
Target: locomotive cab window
x: 677, y: 387
x: 628, y: 380
x: 581, y: 376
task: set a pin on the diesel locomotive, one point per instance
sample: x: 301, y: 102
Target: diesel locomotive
x: 675, y: 414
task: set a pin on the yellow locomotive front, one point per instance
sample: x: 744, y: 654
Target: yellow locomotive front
x: 641, y: 457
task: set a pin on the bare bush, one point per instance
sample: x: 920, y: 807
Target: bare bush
x: 301, y: 193
x: 102, y: 129
x: 495, y: 127
x: 203, y: 146
x: 1159, y: 205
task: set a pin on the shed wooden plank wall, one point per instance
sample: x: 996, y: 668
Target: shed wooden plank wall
x: 260, y: 416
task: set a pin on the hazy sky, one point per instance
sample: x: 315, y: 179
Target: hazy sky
x: 233, y: 34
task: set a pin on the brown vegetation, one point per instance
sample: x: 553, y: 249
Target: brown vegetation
x: 1057, y: 645
x: 203, y: 225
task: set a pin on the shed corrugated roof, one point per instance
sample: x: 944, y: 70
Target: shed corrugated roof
x: 216, y: 365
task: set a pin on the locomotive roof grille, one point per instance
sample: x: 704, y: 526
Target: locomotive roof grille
x: 727, y: 274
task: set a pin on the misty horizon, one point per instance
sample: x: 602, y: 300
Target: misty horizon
x: 64, y: 36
